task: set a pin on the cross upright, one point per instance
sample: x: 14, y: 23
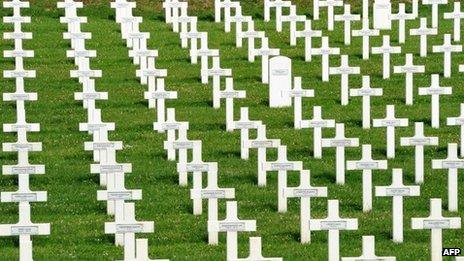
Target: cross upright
x: 179, y: 9
x: 457, y: 15
x: 152, y: 74
x: 305, y: 192
x: 256, y: 252
x: 347, y: 17
x: 340, y: 142
x: 317, y: 123
x: 325, y: 51
x: 397, y: 190
x: 366, y: 91
x: 434, y: 4
x: 298, y: 94
x: 435, y: 90
x: 344, y: 70
x: 262, y: 143
x: 409, y: 69
x: 453, y: 164
x: 368, y: 251
x: 419, y: 140
x: 244, y: 124
x: 386, y: 50
x: 216, y: 72
x: 308, y: 33
x: 447, y: 49
x: 402, y: 17
x: 333, y: 224
x: 436, y: 222
x: 366, y: 164
x: 293, y: 18
x: 282, y: 165
x: 391, y: 123
x: 330, y: 4
x: 251, y: 34
x: 265, y: 52
x: 458, y: 121
x: 365, y: 32
x: 278, y: 5
x: 231, y: 225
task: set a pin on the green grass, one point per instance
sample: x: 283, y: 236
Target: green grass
x: 77, y: 218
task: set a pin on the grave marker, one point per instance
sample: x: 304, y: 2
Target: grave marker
x: 229, y: 94
x: 216, y: 72
x: 265, y: 52
x: 402, y: 17
x: 382, y: 14
x: 330, y: 4
x: 325, y: 51
x: 447, y: 49
x: 170, y: 126
x: 317, y: 123
x: 434, y: 4
x: 344, y: 70
x: 458, y: 121
x: 293, y: 18
x: 278, y: 5
x: 391, y: 123
x: 347, y: 17
x: 308, y: 33
x: 251, y: 34
x: 245, y: 124
x: 365, y: 32
x: 386, y: 50
x: 409, y: 69
x: 366, y: 92
x: 280, y: 81
x: 239, y: 19
x: 160, y: 95
x: 435, y: 90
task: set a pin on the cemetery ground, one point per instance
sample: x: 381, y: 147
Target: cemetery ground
x: 77, y: 218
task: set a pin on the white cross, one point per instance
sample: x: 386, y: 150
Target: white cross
x: 435, y: 90
x: 391, y: 122
x: 402, y: 16
x: 366, y: 164
x: 305, y: 192
x: 457, y: 15
x: 317, y: 123
x: 293, y: 19
x: 278, y: 5
x: 170, y: 126
x: 397, y: 190
x: 423, y: 31
x: 330, y: 4
x: 447, y: 49
x: 308, y: 35
x: 262, y: 143
x: 434, y: 4
x: 333, y: 224
x: 419, y: 140
x: 229, y: 94
x: 436, y: 223
x: 178, y: 9
x: 251, y: 34
x: 340, y: 142
x: 239, y: 19
x: 123, y: 8
x: 70, y: 7
x: 265, y: 52
x: 453, y: 164
x: 16, y: 5
x: 204, y: 53
x: 409, y: 69
x: 193, y: 35
x: 386, y: 50
x: 152, y: 74
x: 282, y: 165
x: 368, y: 251
x: 366, y: 32
x: 227, y: 5
x: 366, y: 92
x: 231, y: 225
x: 143, y: 55
x: 216, y: 72
x: 347, y: 17
x: 244, y: 124
x: 160, y: 95
x: 298, y: 94
x: 344, y: 70
x: 325, y: 51
x: 255, y: 252
x: 458, y: 121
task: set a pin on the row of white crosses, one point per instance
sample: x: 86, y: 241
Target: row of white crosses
x: 111, y: 173
x: 24, y: 228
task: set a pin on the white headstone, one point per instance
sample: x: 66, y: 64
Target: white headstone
x: 365, y: 32
x: 325, y: 51
x: 280, y: 81
x: 457, y: 15
x: 308, y: 33
x: 382, y: 12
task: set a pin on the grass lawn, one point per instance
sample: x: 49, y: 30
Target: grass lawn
x: 77, y: 218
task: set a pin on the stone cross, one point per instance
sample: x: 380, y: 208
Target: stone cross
x: 435, y: 90
x: 231, y: 225
x: 365, y: 33
x: 317, y: 123
x: 340, y: 142
x: 244, y: 125
x: 344, y: 70
x: 330, y: 4
x: 192, y: 34
x: 305, y: 192
x: 151, y: 73
x: 265, y: 52
x: 409, y: 69
x: 366, y: 164
x: 229, y: 94
x: 391, y: 123
x: 204, y: 52
x: 368, y: 251
x: 298, y: 94
x: 262, y: 143
x: 434, y: 4
x: 325, y: 51
x: 160, y: 95
x: 282, y: 165
x: 381, y: 14
x: 457, y: 15
x: 182, y: 18
x: 458, y: 121
x: 447, y: 49
x: 251, y: 34
x: 386, y: 50
x: 308, y: 33
x: 397, y: 190
x: 216, y: 72
x: 402, y: 16
x: 170, y: 126
x: 227, y: 5
x: 366, y: 92
x: 123, y: 8
x: 278, y: 5
x: 452, y: 163
x: 239, y: 19
x: 419, y: 140
x: 143, y: 55
x: 171, y: 8
x: 333, y: 224
x: 436, y: 223
x: 293, y: 18
x: 347, y: 17
x: 256, y: 252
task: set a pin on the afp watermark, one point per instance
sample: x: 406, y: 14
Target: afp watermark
x: 451, y: 251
